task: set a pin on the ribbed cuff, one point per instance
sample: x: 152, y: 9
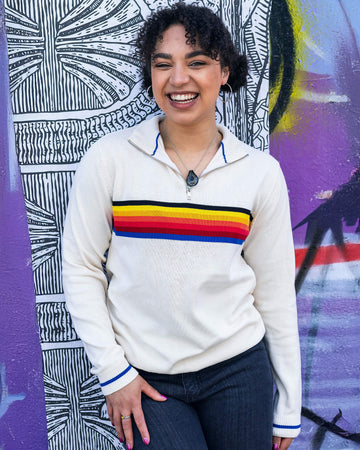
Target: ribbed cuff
x: 286, y: 431
x: 118, y: 381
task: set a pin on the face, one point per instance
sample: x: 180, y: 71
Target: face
x: 185, y: 80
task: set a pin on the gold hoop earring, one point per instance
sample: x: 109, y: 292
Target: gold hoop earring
x: 230, y: 96
x: 147, y: 95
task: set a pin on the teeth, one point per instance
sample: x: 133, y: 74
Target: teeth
x: 182, y: 97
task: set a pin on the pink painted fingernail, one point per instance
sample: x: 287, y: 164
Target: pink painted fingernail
x: 276, y: 447
x: 163, y: 396
x: 121, y: 440
x: 146, y: 441
x: 128, y: 446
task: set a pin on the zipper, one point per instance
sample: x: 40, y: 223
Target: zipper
x: 175, y: 169
x: 187, y: 188
x: 188, y: 192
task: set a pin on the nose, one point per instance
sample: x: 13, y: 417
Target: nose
x: 179, y: 75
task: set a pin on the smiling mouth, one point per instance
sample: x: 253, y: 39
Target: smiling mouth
x: 182, y: 98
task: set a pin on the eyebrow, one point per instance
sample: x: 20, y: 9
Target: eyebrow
x: 192, y: 54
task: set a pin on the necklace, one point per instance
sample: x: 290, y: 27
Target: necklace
x: 192, y: 179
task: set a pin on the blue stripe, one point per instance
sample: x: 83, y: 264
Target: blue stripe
x: 223, y: 151
x: 292, y: 427
x: 117, y: 377
x: 179, y: 237
x: 157, y: 145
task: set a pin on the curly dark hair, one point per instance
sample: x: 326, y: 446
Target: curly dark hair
x: 202, y: 27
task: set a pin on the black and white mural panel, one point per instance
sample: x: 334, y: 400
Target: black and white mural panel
x: 73, y: 79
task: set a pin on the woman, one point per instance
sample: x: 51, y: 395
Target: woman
x: 200, y: 259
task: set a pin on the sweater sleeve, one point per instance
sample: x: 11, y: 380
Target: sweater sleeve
x: 87, y: 236
x: 269, y: 251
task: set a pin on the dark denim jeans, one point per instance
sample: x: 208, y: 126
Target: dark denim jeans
x: 225, y: 406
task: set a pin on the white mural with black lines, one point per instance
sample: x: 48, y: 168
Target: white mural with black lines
x: 73, y: 78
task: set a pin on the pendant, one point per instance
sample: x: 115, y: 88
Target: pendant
x: 192, y: 179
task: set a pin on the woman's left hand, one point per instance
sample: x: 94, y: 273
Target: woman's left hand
x: 281, y: 443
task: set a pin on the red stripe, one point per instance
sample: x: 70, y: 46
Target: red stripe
x: 182, y: 226
x: 128, y: 220
x: 330, y: 254
x: 199, y: 231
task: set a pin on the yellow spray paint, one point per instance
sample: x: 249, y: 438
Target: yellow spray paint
x: 302, y: 30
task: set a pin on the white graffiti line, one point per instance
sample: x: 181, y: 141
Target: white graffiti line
x: 314, y: 47
x: 6, y: 399
x: 315, y: 97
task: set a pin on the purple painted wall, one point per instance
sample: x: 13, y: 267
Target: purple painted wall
x: 317, y: 141
x: 22, y: 403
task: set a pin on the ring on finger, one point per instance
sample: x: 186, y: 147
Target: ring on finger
x: 125, y: 417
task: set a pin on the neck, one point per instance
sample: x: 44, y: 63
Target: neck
x: 189, y: 139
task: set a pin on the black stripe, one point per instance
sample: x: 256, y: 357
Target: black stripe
x: 182, y: 205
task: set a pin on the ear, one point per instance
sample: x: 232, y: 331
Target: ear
x: 224, y: 75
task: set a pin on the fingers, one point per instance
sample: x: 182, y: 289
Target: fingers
x: 281, y: 443
x: 141, y: 424
x: 126, y: 402
x: 285, y: 443
x: 151, y: 392
x: 110, y: 412
x: 127, y: 428
x: 276, y: 443
x: 126, y: 421
x: 118, y: 426
x: 115, y: 422
x: 138, y: 414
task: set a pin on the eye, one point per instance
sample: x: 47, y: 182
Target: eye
x: 197, y: 63
x: 162, y: 65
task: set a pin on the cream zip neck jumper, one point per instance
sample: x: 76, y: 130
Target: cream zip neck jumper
x: 192, y: 281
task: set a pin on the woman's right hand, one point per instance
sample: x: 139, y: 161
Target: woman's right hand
x: 126, y: 402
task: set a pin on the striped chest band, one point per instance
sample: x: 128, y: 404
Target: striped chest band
x: 180, y: 221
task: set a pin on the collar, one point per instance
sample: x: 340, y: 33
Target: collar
x: 147, y: 138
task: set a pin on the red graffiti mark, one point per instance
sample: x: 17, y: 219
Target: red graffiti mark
x: 330, y: 254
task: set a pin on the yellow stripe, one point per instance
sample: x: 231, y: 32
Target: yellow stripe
x: 186, y: 213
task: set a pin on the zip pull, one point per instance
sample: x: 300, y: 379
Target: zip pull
x: 188, y: 192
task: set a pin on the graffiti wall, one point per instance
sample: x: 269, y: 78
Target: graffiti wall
x: 73, y: 78
x: 22, y: 402
x: 315, y: 134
